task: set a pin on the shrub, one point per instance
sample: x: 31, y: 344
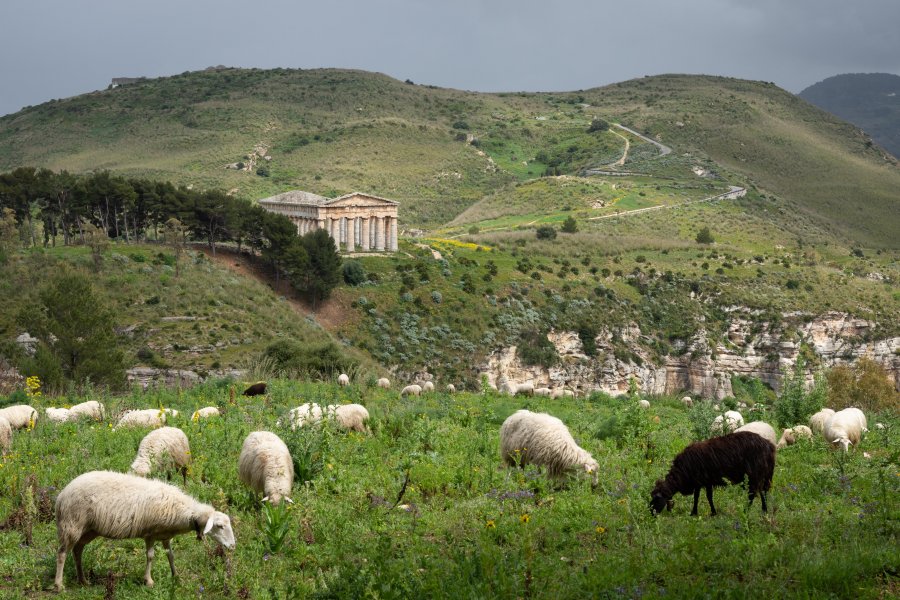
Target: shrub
x: 436, y: 297
x: 353, y: 273
x: 795, y: 404
x: 570, y: 225
x: 323, y: 359
x: 535, y: 349
x: 865, y: 385
x: 473, y: 230
x: 598, y: 125
x: 546, y: 232
x: 704, y: 236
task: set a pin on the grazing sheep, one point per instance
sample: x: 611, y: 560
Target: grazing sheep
x: 119, y: 506
x: 149, y: 417
x: 58, y: 415
x: 265, y: 466
x: 524, y: 389
x: 205, y: 413
x: 5, y: 435
x: 760, y: 428
x: 709, y: 463
x: 791, y: 435
x: 384, y: 382
x: 562, y: 393
x: 343, y: 380
x: 159, y: 445
x: 451, y: 389
x: 19, y: 416
x: 541, y: 439
x: 644, y: 403
x: 733, y: 420
x: 303, y: 414
x: 687, y: 402
x: 411, y: 390
x: 352, y: 417
x: 543, y: 391
x: 817, y: 421
x: 845, y: 427
x: 428, y: 386
x: 92, y: 409
x: 257, y: 389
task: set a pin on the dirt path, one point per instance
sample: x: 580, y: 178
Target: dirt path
x: 734, y: 192
x: 621, y: 161
x: 663, y: 149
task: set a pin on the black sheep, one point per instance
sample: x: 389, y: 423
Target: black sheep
x: 257, y: 389
x: 707, y: 464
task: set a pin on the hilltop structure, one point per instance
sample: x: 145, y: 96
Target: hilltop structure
x: 356, y: 220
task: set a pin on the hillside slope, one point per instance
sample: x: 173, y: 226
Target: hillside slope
x: 441, y: 151
x: 870, y: 101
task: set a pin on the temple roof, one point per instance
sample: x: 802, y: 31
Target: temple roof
x: 296, y: 197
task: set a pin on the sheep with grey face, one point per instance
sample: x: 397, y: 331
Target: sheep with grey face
x: 19, y: 416
x: 5, y: 435
x: 760, y: 428
x: 541, y: 439
x: 161, y: 445
x: 265, y: 466
x: 120, y: 506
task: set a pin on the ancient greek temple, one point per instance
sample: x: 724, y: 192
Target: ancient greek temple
x: 356, y: 222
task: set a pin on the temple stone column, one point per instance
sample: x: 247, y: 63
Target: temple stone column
x: 320, y: 224
x: 393, y: 237
x: 297, y: 225
x: 379, y: 234
x: 351, y: 233
x: 365, y: 234
x: 335, y: 231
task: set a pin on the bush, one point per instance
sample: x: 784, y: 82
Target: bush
x: 436, y: 297
x: 598, y: 125
x: 795, y: 404
x: 290, y: 357
x: 704, y: 236
x: 263, y: 171
x: 546, y: 232
x: 865, y: 385
x: 570, y: 225
x: 535, y: 349
x: 353, y: 273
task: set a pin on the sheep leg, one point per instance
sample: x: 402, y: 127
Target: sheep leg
x: 184, y: 475
x: 76, y: 553
x: 167, y: 544
x: 712, y: 507
x: 60, y: 565
x: 148, y: 579
x: 696, y: 499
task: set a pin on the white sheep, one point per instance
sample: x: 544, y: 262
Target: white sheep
x: 19, y: 416
x: 205, y: 413
x: 384, y: 382
x: 644, y: 403
x: 733, y: 420
x: 5, y: 435
x: 58, y: 415
x: 760, y: 428
x: 543, y: 391
x: 687, y: 402
x: 166, y: 446
x: 309, y: 412
x: 562, y: 393
x: 149, y: 417
x: 845, y: 427
x: 343, y: 380
x: 265, y: 466
x: 791, y: 435
x: 817, y: 421
x: 428, y: 386
x: 525, y: 389
x: 543, y: 440
x: 451, y: 389
x: 411, y: 390
x: 92, y: 409
x: 120, y: 506
x: 880, y: 426
x: 352, y: 417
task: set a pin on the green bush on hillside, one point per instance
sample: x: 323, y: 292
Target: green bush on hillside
x: 291, y: 358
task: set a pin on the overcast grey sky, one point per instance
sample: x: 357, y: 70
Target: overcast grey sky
x: 59, y: 48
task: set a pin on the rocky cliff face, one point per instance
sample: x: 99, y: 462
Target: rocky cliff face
x: 748, y: 348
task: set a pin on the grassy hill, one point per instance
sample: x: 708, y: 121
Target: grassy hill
x: 441, y: 151
x: 868, y: 100
x: 356, y: 529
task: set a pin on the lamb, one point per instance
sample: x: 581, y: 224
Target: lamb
x: 644, y: 403
x: 790, y: 436
x: 411, y: 390
x: 708, y: 463
x: 58, y: 415
x: 845, y: 427
x: 265, y: 466
x: 352, y: 417
x: 817, y: 421
x: 541, y: 439
x: 119, y: 506
x: 760, y: 428
x: 343, y: 380
x: 150, y: 417
x: 205, y: 413
x: 451, y: 389
x: 428, y: 386
x: 19, y: 416
x: 384, y: 383
x: 5, y: 435
x: 159, y: 444
x: 91, y: 409
x: 733, y: 420
x: 257, y: 389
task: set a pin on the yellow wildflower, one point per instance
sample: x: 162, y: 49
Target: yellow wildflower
x: 490, y: 524
x: 600, y: 529
x: 525, y: 518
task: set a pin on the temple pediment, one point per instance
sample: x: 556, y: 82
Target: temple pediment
x: 357, y: 199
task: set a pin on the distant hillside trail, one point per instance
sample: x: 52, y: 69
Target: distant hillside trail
x: 735, y: 191
x: 621, y: 161
x: 663, y: 149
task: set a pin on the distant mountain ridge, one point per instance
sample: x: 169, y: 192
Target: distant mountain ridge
x: 870, y: 101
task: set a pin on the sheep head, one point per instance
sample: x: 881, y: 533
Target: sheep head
x: 661, y: 497
x: 218, y: 527
x: 593, y: 468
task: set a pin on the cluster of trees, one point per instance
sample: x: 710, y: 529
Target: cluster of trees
x: 74, y: 208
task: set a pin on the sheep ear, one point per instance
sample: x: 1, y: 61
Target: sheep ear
x: 209, y: 525
x: 289, y: 501
x: 265, y: 499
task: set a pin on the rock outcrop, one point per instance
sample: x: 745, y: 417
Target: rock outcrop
x: 748, y: 348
